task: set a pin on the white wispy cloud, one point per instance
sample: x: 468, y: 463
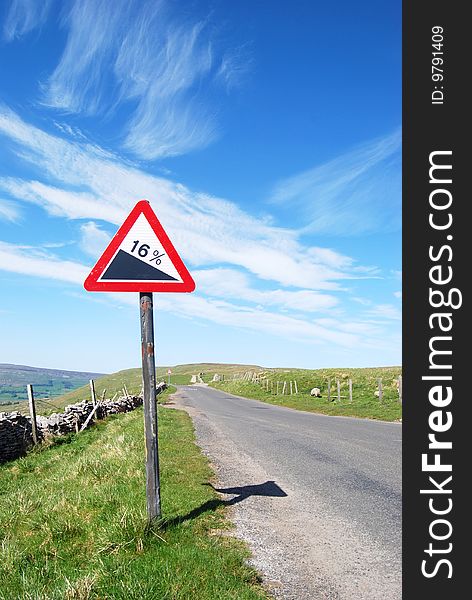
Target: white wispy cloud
x: 355, y: 193
x: 208, y: 231
x: 93, y: 239
x: 78, y: 82
x: 229, y: 283
x: 23, y: 16
x: 38, y: 263
x: 249, y: 272
x: 31, y: 261
x: 9, y: 211
x: 158, y: 64
x: 385, y: 311
x: 152, y: 60
x: 235, y: 66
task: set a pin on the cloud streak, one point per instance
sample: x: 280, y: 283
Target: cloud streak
x: 9, y: 211
x: 23, y: 17
x: 155, y: 65
x: 356, y: 193
x: 250, y: 274
x: 33, y: 262
x: 208, y: 231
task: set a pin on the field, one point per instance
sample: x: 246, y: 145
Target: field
x: 73, y: 521
x: 364, y: 381
x: 114, y: 383
x: 47, y: 382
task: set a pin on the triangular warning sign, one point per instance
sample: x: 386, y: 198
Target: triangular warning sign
x: 140, y: 258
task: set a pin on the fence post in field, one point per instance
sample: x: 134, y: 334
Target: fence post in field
x: 400, y: 395
x: 283, y: 389
x: 32, y: 411
x: 291, y: 388
x: 92, y: 392
x: 380, y: 389
x: 329, y: 390
x: 296, y: 386
x: 338, y: 385
x: 350, y: 390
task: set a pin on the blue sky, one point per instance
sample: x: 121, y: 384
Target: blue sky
x: 266, y: 136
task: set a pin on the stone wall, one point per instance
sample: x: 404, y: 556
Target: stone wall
x: 16, y: 436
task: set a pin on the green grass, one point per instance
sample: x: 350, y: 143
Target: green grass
x: 181, y: 375
x: 364, y: 403
x: 73, y: 521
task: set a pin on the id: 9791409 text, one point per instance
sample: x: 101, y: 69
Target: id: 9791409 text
x: 437, y: 64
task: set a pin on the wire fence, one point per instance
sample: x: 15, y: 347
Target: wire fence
x: 333, y: 389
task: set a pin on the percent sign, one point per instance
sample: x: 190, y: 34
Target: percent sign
x: 157, y: 257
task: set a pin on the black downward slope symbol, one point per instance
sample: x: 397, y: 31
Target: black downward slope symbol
x: 127, y: 267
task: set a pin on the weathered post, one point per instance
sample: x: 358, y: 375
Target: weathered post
x: 296, y: 386
x: 400, y: 391
x: 350, y: 390
x: 338, y: 384
x: 329, y: 390
x: 153, y: 496
x: 32, y: 411
x: 92, y: 392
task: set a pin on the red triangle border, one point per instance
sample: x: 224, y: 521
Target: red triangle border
x: 92, y: 284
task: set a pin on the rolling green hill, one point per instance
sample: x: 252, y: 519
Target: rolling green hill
x: 364, y: 386
x: 131, y: 378
x: 46, y: 382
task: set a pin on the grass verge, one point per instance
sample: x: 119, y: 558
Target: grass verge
x: 364, y: 403
x: 73, y: 521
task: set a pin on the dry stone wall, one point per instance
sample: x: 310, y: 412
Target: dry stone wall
x: 16, y: 436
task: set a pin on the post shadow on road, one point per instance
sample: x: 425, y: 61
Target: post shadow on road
x: 240, y: 493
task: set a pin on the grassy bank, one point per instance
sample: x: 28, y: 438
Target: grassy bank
x: 73, y: 521
x: 364, y: 402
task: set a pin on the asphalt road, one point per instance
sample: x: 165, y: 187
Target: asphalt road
x: 317, y: 498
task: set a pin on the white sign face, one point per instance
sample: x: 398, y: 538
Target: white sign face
x: 140, y: 256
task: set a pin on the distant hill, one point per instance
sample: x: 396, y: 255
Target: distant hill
x: 109, y: 384
x: 46, y: 382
